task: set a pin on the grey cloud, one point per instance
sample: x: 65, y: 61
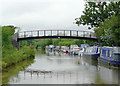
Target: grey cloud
x: 18, y: 9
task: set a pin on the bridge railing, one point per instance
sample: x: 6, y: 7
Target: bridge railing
x: 41, y: 33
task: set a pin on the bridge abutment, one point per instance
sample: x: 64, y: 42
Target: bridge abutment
x: 14, y: 41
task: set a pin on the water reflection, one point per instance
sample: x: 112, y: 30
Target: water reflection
x: 60, y: 68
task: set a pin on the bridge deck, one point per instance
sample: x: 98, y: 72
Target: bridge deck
x: 56, y: 34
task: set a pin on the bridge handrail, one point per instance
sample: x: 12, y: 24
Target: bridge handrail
x: 56, y: 30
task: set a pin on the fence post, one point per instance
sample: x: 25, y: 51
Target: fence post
x: 64, y: 32
x: 77, y: 33
x: 90, y: 34
x: 51, y: 32
x: 83, y: 33
x: 31, y: 33
x: 44, y: 33
x: 24, y: 34
x: 57, y: 32
x: 38, y: 33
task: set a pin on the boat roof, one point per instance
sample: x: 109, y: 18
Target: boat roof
x: 82, y: 45
x: 114, y: 49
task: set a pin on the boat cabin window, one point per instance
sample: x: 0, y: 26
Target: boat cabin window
x: 101, y: 52
x: 98, y: 50
x: 110, y: 53
x: 106, y: 52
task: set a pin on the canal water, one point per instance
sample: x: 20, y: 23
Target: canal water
x: 60, y: 68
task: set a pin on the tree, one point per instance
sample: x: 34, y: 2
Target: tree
x: 7, y: 31
x: 79, y: 42
x: 109, y: 31
x: 95, y: 13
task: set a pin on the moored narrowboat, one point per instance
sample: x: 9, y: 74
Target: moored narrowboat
x: 64, y: 49
x: 51, y: 47
x: 92, y: 53
x: 110, y: 56
x: 74, y: 49
x: 82, y: 49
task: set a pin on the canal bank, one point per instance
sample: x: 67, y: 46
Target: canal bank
x: 14, y: 70
x: 11, y: 55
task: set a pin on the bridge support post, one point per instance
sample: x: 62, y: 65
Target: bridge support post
x: 83, y: 33
x: 51, y: 32
x: 90, y: 34
x: 70, y: 32
x: 38, y: 33
x: 57, y: 32
x: 64, y: 32
x: 44, y: 32
x: 77, y: 33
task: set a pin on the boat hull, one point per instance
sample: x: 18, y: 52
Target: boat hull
x: 80, y: 53
x: 109, y: 62
x: 65, y: 51
x: 91, y: 62
x: 91, y: 56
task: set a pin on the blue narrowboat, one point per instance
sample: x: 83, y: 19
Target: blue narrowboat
x: 110, y: 55
x: 92, y: 53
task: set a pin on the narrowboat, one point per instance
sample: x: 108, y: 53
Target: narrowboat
x: 110, y: 56
x: 82, y: 49
x: 74, y: 49
x: 66, y: 49
x: 57, y: 48
x: 50, y: 47
x: 92, y: 53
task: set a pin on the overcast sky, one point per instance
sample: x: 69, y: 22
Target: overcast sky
x: 41, y: 14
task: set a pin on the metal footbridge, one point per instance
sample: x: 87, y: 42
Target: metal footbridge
x: 75, y: 34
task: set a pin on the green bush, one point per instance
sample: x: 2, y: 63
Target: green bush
x: 10, y: 55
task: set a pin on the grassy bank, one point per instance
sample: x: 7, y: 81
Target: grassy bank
x: 13, y: 71
x: 10, y: 55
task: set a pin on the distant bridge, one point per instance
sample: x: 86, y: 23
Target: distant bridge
x: 37, y: 34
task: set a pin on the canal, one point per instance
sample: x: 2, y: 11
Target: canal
x: 61, y: 68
